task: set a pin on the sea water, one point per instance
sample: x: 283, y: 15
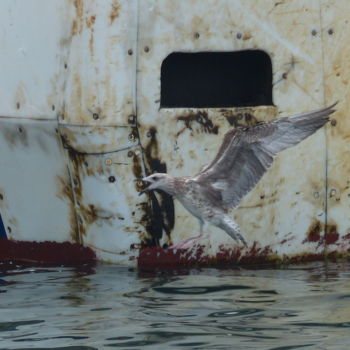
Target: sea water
x: 107, y: 306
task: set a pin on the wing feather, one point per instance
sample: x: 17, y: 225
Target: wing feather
x: 246, y: 153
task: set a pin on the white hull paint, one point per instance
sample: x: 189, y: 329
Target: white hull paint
x: 80, y: 118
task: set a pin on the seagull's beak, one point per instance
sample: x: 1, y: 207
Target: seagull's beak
x: 144, y: 182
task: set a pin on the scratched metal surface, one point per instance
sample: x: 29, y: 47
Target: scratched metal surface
x: 93, y: 68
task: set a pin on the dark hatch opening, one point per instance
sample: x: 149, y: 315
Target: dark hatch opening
x: 216, y: 79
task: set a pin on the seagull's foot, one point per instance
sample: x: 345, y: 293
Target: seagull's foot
x: 188, y: 243
x: 242, y: 240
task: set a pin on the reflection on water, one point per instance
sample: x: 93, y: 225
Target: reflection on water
x: 106, y: 306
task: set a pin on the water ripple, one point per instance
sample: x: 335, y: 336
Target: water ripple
x: 106, y: 306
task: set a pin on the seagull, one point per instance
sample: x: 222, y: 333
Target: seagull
x: 246, y: 153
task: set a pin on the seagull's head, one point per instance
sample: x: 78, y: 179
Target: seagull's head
x: 157, y: 181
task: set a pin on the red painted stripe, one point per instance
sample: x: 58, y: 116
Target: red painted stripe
x: 157, y: 257
x: 45, y: 252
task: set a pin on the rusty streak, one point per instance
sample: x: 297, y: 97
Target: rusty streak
x: 201, y: 118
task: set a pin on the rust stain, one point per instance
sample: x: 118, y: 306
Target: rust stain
x: 77, y: 161
x: 247, y: 36
x: 65, y: 192
x: 164, y: 209
x: 91, y: 214
x: 90, y: 21
x: 237, y: 119
x: 200, y: 118
x: 331, y: 234
x: 77, y: 98
x: 78, y: 23
x: 314, y: 232
x: 158, y: 211
x: 115, y: 11
x: 15, y: 136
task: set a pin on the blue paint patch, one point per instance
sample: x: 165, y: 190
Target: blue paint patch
x: 2, y: 229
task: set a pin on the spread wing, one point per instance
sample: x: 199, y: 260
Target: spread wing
x: 246, y: 153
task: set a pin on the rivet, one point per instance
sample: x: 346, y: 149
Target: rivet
x: 316, y: 195
x: 53, y: 107
x: 75, y: 181
x: 95, y: 116
x: 239, y: 36
x: 131, y: 119
x: 314, y: 32
x: 130, y: 154
x: 111, y: 179
x: 18, y: 105
x: 332, y: 192
x: 131, y: 137
x: 196, y: 35
x: 149, y: 134
x: 9, y: 229
x: 333, y: 122
x: 65, y: 66
x: 130, y: 52
x: 20, y: 129
x: 137, y: 152
x: 284, y: 75
x: 146, y: 49
x: 330, y: 31
x: 108, y: 161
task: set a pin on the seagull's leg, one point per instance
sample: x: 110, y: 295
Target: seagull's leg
x: 231, y: 228
x: 187, y: 243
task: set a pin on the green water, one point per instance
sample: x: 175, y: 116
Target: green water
x: 106, y: 307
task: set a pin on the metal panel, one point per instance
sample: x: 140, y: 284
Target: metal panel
x: 33, y: 177
x: 288, y: 204
x: 335, y: 34
x: 32, y: 57
x: 110, y: 214
x: 53, y: 65
x: 100, y: 86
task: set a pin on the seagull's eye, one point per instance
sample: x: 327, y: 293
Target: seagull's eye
x: 155, y: 178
